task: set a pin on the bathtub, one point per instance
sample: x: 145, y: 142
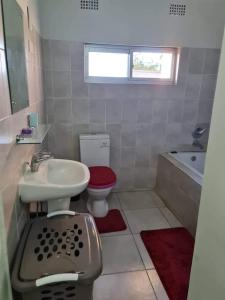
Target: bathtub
x: 179, y: 183
x: 191, y: 162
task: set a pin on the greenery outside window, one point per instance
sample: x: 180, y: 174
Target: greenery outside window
x: 132, y: 65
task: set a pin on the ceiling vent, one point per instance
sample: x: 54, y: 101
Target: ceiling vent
x: 89, y: 4
x: 177, y: 9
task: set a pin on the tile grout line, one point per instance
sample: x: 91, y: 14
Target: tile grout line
x: 152, y: 285
x: 145, y: 269
x: 132, y: 234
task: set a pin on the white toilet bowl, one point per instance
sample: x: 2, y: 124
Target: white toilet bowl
x: 94, y: 151
x: 102, y: 180
x: 97, y: 203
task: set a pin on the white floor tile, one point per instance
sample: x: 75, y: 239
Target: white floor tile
x: 172, y: 220
x: 157, y: 285
x: 136, y: 200
x: 125, y: 286
x: 120, y: 254
x: 157, y: 200
x: 146, y: 219
x: 143, y: 252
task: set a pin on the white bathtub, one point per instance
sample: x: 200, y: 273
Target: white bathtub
x: 192, y: 163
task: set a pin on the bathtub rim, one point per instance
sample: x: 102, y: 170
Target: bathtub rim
x: 190, y: 171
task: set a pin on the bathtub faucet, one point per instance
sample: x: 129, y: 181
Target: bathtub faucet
x: 197, y: 134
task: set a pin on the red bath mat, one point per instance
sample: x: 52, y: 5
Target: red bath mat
x: 111, y: 223
x: 171, y: 251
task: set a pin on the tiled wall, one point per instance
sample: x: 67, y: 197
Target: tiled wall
x: 179, y: 191
x: 142, y: 120
x: 12, y: 156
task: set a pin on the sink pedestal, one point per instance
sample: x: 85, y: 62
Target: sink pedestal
x: 58, y: 204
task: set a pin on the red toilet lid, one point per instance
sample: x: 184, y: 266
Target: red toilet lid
x: 101, y: 177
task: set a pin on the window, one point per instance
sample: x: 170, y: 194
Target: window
x: 121, y: 64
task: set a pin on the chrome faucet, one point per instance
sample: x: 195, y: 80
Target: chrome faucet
x: 37, y: 159
x: 197, y: 134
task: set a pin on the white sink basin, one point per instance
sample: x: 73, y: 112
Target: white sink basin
x: 55, y: 180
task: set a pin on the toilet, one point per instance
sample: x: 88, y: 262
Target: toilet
x: 95, y: 153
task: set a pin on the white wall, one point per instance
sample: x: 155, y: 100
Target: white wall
x: 208, y: 272
x: 135, y: 22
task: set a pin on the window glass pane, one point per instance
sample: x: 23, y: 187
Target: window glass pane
x: 105, y: 64
x: 152, y: 65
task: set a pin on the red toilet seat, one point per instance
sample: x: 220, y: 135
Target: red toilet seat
x: 101, y: 177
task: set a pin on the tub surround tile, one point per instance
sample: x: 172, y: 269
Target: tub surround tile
x: 180, y: 194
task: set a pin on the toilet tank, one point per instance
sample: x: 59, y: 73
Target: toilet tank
x: 95, y: 149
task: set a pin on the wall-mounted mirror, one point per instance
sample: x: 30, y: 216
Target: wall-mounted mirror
x: 15, y: 54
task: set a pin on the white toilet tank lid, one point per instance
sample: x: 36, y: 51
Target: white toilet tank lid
x: 93, y: 136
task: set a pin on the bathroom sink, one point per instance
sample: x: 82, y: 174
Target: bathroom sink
x: 55, y: 181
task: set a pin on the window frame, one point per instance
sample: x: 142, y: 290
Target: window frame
x: 130, y: 51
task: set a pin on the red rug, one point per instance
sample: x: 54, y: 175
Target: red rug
x: 111, y: 223
x: 171, y: 251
